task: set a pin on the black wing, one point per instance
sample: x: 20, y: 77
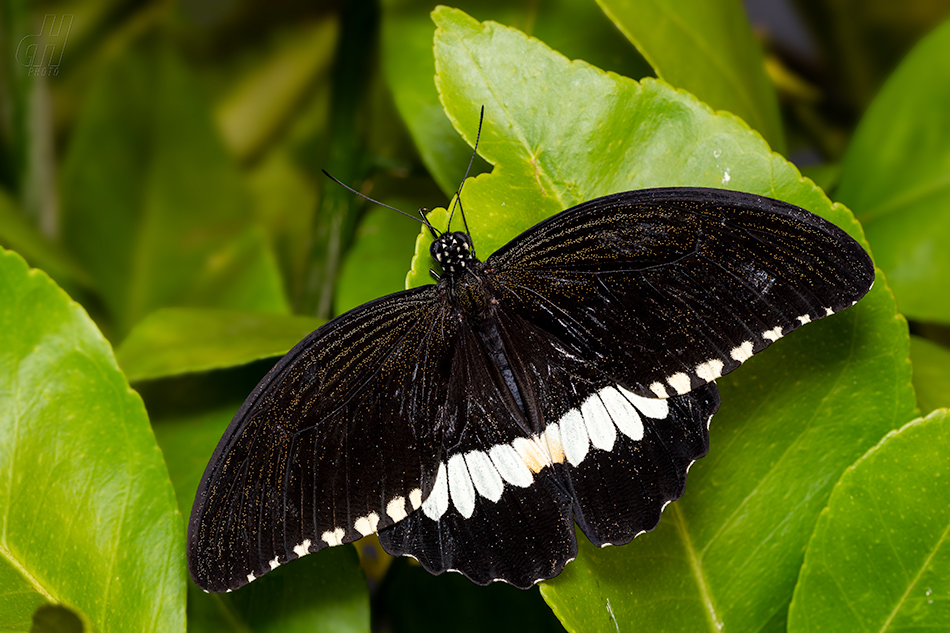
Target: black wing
x: 669, y: 289
x: 329, y: 447
x: 586, y: 449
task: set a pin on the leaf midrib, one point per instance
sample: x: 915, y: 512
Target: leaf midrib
x: 696, y: 567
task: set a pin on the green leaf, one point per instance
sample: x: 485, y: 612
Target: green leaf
x: 154, y: 208
x: 879, y: 559
x: 88, y: 515
x: 707, y: 48
x: 931, y: 373
x: 896, y: 178
x: 174, y: 341
x: 792, y: 419
x: 323, y: 592
x: 578, y: 28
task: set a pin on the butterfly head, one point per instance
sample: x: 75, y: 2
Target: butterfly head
x: 453, y: 252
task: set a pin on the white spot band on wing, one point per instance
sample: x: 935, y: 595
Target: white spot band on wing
x: 742, y: 353
x: 438, y: 501
x: 600, y: 427
x: 461, y: 488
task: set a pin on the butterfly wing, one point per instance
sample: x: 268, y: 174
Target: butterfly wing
x: 586, y: 450
x: 329, y: 447
x: 670, y: 289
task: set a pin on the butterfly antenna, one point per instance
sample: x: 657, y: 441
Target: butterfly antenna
x: 424, y: 220
x: 458, y: 194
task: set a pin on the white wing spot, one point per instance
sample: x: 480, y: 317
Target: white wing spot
x: 396, y: 509
x: 460, y: 486
x: 487, y: 481
x: 438, y: 501
x: 552, y: 437
x: 510, y: 465
x: 600, y: 427
x: 829, y: 312
x: 659, y: 389
x: 650, y: 407
x: 680, y: 383
x: 367, y: 525
x: 415, y: 498
x: 623, y: 413
x: 251, y: 577
x: 804, y: 319
x: 574, y: 437
x: 274, y: 564
x: 710, y: 370
x: 742, y: 353
x: 774, y: 334
x: 333, y: 538
x: 303, y: 549
x: 533, y: 453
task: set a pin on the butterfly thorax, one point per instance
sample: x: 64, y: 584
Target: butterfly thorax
x: 462, y: 275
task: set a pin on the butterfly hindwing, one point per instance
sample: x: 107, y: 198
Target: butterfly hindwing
x: 674, y: 288
x: 497, y: 511
x: 597, y: 454
x: 621, y: 493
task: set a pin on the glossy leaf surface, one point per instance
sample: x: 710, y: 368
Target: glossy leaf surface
x: 879, y: 559
x: 88, y: 514
x: 896, y: 179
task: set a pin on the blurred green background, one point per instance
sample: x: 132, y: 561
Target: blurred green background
x: 161, y: 161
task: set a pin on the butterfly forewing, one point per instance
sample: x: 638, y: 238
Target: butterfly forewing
x: 673, y: 288
x: 329, y: 447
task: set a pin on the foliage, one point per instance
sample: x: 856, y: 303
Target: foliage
x: 166, y: 176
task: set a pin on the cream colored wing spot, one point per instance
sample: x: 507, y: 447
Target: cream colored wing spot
x: 333, y: 537
x: 710, y: 370
x: 742, y: 353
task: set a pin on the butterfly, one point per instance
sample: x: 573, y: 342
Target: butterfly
x: 567, y: 378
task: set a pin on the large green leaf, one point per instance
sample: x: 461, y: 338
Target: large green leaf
x: 896, y: 179
x: 323, y: 592
x: 154, y: 208
x: 707, y: 48
x: 87, y: 513
x: 792, y: 420
x: 174, y: 341
x: 577, y: 27
x: 879, y: 559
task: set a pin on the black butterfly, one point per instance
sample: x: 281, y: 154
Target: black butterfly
x: 567, y: 378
